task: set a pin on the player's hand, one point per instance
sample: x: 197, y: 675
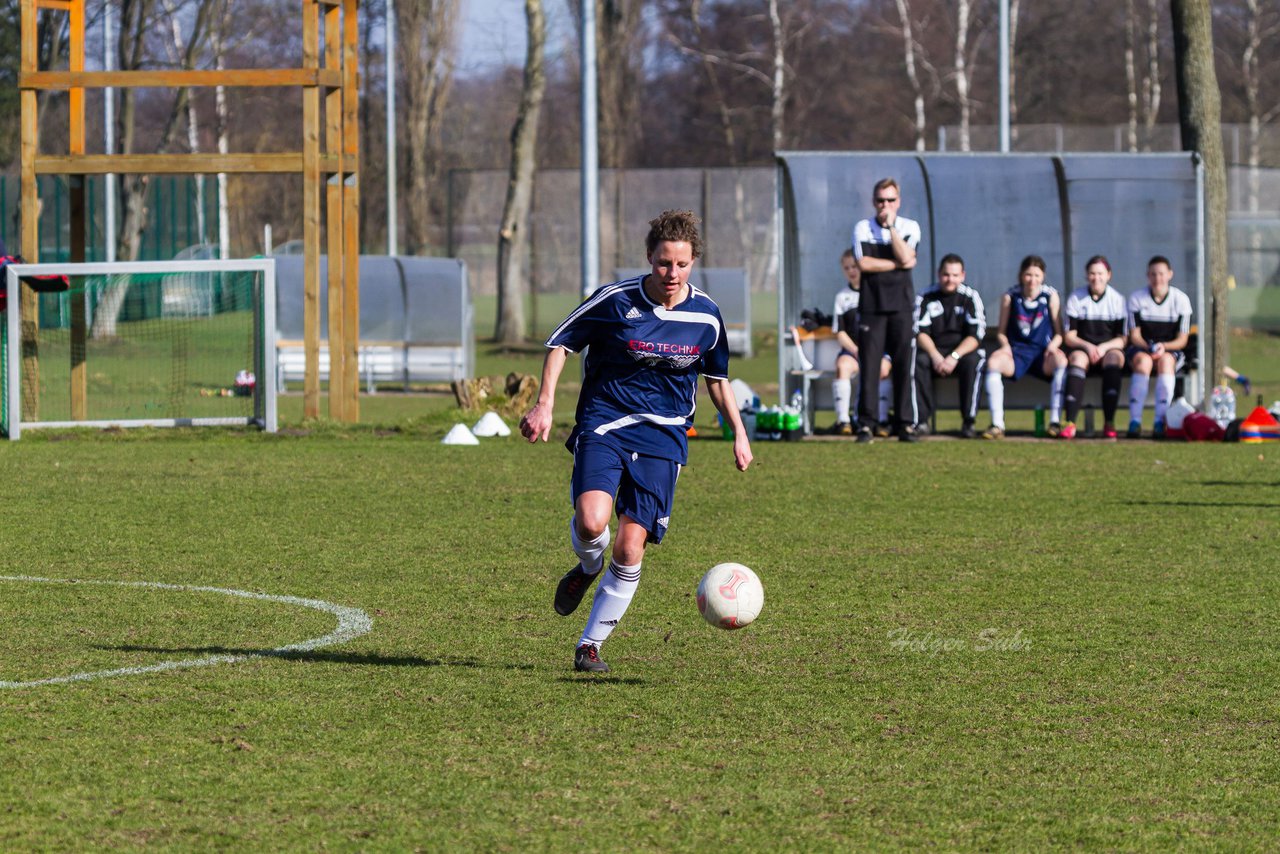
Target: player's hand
x: 536, y: 424
x: 742, y: 451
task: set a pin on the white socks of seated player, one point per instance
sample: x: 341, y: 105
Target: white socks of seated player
x: 1138, y: 384
x: 1164, y: 394
x: 613, y: 595
x: 995, y: 398
x: 842, y: 393
x: 886, y: 394
x: 1055, y: 394
x: 590, y: 552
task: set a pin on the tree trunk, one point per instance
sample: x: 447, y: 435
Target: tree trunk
x: 1131, y: 74
x: 909, y: 51
x: 1200, y: 116
x: 425, y: 36
x: 962, y: 73
x: 513, y: 237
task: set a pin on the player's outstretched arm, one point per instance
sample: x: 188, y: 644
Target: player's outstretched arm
x: 726, y: 403
x: 536, y: 423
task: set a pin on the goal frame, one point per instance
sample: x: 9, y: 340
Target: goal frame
x: 264, y: 319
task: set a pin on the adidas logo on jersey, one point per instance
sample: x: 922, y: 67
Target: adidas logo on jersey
x: 634, y: 314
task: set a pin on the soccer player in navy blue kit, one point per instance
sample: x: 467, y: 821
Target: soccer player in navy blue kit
x: 1030, y: 334
x: 649, y: 338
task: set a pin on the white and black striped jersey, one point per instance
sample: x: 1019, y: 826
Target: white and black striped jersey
x: 845, y: 313
x: 893, y: 290
x: 950, y: 318
x: 1097, y: 320
x: 1159, y: 321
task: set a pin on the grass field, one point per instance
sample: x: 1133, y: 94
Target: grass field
x: 964, y: 646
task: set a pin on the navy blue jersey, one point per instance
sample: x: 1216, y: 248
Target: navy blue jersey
x: 1030, y: 321
x: 641, y: 369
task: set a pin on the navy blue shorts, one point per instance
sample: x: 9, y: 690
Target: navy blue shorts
x: 1028, y: 360
x: 644, y: 488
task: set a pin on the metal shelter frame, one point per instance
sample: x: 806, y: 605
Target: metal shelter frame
x: 328, y: 163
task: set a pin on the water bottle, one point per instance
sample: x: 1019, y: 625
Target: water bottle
x: 1222, y: 405
x: 1040, y: 421
x: 1088, y: 420
x: 791, y: 430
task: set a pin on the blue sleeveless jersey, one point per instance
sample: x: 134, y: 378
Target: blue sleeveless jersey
x: 641, y: 369
x: 1030, y: 322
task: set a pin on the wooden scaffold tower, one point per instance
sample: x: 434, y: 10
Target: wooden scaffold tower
x: 328, y: 163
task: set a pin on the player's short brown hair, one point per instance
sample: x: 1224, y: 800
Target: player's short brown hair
x: 681, y: 226
x: 884, y: 184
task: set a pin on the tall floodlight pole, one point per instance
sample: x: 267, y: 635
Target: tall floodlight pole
x: 393, y: 224
x: 1004, y: 76
x: 109, y: 120
x: 590, y: 154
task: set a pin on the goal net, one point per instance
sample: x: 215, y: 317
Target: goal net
x: 138, y: 344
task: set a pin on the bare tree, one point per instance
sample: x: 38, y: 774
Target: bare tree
x: 1142, y: 92
x: 962, y: 71
x: 910, y: 50
x: 137, y: 19
x: 426, y: 32
x: 513, y: 236
x: 1200, y: 115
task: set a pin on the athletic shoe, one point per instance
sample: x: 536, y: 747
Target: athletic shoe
x: 1055, y: 430
x: 1244, y: 383
x: 1068, y: 430
x: 570, y: 590
x: 1157, y: 432
x: 922, y: 429
x: 586, y: 658
x: 907, y: 433
x: 1135, y: 430
x: 993, y: 432
x: 882, y: 431
x: 967, y: 431
x: 864, y: 436
x: 840, y: 428
x: 1109, y: 431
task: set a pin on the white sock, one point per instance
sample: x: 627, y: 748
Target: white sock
x: 995, y: 398
x: 1164, y: 394
x: 886, y: 392
x: 842, y: 392
x: 1137, y: 395
x: 613, y: 595
x: 1055, y: 394
x: 590, y: 552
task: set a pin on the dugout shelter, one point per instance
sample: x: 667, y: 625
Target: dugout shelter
x: 416, y: 320
x: 993, y: 210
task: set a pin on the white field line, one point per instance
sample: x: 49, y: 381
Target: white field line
x: 352, y: 623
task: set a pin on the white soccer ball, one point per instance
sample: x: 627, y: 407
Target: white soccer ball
x: 730, y: 596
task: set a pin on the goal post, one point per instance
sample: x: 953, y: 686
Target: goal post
x: 156, y: 344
